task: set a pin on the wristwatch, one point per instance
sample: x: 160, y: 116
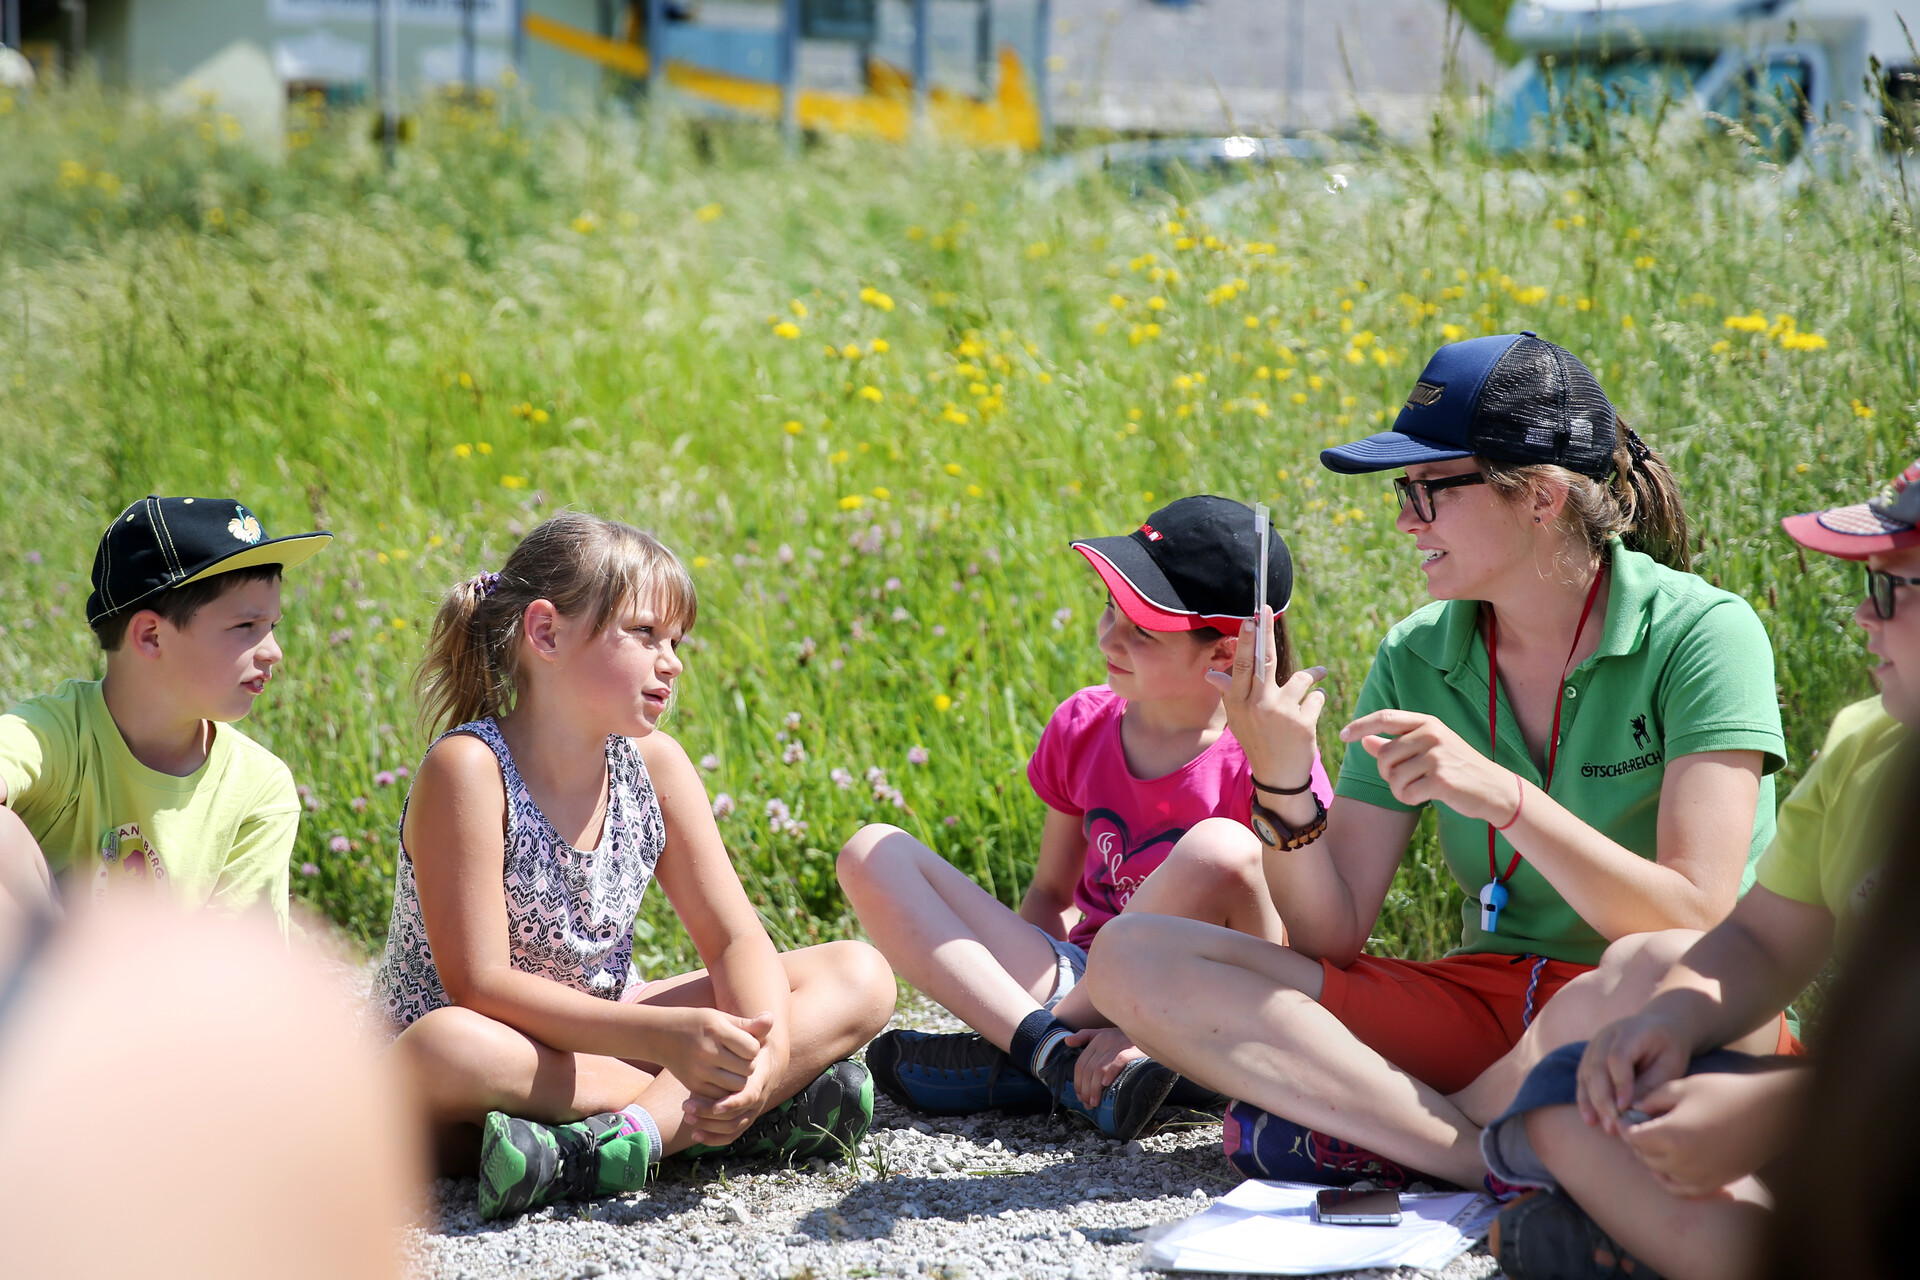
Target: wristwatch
x: 1269, y: 826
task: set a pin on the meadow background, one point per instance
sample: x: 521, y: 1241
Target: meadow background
x: 869, y: 394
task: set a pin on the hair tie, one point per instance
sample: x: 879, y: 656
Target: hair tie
x: 1638, y: 447
x: 483, y: 584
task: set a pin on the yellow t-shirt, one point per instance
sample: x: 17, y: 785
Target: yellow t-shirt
x: 1830, y: 845
x: 222, y: 835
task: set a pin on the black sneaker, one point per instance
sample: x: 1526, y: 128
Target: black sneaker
x: 1126, y: 1106
x: 1546, y: 1236
x: 955, y: 1074
x: 826, y: 1119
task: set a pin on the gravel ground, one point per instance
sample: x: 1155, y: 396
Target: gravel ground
x: 980, y: 1197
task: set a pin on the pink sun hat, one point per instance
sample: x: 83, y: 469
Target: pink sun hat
x: 1886, y: 523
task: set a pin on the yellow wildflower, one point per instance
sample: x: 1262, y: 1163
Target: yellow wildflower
x: 513, y: 482
x: 538, y: 416
x: 853, y: 502
x: 839, y: 457
x: 954, y: 468
x: 882, y: 492
x: 1802, y: 342
x: 874, y: 298
x: 708, y: 212
x: 463, y: 451
x: 1721, y: 347
x: 1118, y: 301
x: 1251, y: 322
x: 975, y: 491
x: 941, y: 702
x: 1156, y: 303
x: 1626, y: 322
x: 793, y: 426
x: 879, y: 347
x: 798, y: 308
x: 586, y: 223
x: 872, y: 393
x: 786, y: 329
x: 1862, y: 410
x: 1752, y: 323
x: 701, y: 562
x: 1038, y: 249
x: 484, y: 447
x: 1452, y: 333
x: 851, y: 351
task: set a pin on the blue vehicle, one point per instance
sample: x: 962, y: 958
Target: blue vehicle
x: 1778, y: 71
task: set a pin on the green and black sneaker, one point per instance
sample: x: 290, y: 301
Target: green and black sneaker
x: 524, y: 1164
x: 826, y: 1119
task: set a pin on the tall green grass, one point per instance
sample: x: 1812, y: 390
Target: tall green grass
x: 869, y: 395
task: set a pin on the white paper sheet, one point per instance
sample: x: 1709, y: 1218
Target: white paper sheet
x: 1268, y: 1229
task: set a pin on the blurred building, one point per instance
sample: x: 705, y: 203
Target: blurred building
x: 1130, y: 66
x: 1260, y: 66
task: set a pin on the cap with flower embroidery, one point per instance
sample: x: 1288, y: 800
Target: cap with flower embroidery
x: 158, y: 544
x: 1886, y: 523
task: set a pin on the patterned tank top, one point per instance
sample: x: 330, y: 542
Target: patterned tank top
x: 570, y: 911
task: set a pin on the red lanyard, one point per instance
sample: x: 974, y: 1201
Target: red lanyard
x: 1493, y: 713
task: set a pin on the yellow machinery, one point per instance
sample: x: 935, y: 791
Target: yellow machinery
x: 886, y: 110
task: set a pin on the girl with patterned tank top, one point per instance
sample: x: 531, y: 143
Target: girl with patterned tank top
x: 537, y: 820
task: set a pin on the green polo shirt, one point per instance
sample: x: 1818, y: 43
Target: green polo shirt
x: 1682, y: 667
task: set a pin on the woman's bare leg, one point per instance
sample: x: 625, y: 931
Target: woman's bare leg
x: 1242, y: 1015
x: 945, y: 934
x: 1710, y: 1238
x: 1625, y: 979
x: 467, y: 1064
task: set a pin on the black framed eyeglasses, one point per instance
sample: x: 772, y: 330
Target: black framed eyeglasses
x: 1420, y: 492
x: 1880, y: 590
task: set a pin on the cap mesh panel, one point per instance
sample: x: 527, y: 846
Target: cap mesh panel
x: 1541, y: 404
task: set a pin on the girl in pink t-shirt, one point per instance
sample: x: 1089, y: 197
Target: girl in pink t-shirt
x: 1125, y: 769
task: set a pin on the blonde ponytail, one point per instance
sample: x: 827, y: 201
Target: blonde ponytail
x: 1640, y: 504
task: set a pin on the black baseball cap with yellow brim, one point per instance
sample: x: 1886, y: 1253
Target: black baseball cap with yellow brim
x: 158, y: 544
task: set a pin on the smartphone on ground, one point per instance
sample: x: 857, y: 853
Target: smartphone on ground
x: 1345, y: 1208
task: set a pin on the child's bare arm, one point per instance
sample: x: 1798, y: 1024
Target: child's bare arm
x: 455, y: 835
x: 699, y: 880
x: 1063, y: 852
x: 26, y: 885
x: 1706, y: 1131
x: 1736, y: 977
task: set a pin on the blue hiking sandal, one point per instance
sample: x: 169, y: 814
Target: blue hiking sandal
x: 959, y: 1073
x: 1126, y: 1106
x: 1262, y: 1145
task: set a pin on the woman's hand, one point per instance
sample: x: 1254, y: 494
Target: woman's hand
x: 1421, y: 760
x: 1274, y: 724
x: 1106, y: 1050
x: 1623, y: 1062
x: 1708, y: 1130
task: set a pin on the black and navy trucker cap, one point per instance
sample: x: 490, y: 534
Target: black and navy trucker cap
x: 1511, y: 397
x: 1192, y: 565
x: 161, y: 543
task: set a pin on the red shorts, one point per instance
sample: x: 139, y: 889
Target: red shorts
x: 1445, y: 1021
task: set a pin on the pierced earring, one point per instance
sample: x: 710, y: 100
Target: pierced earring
x: 1536, y: 519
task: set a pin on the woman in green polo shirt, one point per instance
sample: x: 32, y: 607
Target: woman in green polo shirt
x: 1595, y: 728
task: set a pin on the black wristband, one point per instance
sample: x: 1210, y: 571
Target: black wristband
x: 1282, y: 791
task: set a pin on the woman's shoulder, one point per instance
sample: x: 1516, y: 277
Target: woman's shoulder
x: 466, y: 751
x: 1427, y: 631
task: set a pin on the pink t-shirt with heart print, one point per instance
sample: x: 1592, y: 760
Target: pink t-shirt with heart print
x: 1130, y: 824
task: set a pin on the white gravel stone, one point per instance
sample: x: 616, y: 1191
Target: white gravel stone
x: 951, y: 1198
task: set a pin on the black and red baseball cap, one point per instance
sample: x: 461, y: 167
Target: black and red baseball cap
x: 1191, y: 565
x: 1889, y: 522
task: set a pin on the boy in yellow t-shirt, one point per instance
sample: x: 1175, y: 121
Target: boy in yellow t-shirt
x: 1650, y: 1140
x: 140, y: 776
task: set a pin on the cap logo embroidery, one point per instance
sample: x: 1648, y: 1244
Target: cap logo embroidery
x: 1425, y: 393
x: 244, y: 527
x: 1153, y: 534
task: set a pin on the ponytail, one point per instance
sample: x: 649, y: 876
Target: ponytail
x: 1648, y: 499
x: 1640, y: 503
x: 581, y: 564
